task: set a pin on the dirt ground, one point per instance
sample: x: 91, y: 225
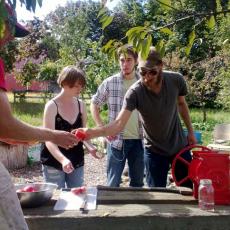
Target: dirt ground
x: 95, y: 173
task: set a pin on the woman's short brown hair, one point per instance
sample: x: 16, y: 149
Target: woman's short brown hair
x: 70, y: 75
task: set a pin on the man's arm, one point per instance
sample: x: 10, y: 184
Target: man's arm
x: 184, y: 113
x: 84, y: 114
x: 113, y: 128
x: 99, y: 99
x: 95, y: 111
x: 12, y: 128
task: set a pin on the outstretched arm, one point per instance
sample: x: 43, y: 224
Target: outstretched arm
x: 112, y: 129
x: 12, y: 128
x: 95, y: 111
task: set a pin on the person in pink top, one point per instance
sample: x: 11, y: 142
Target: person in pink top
x: 12, y: 129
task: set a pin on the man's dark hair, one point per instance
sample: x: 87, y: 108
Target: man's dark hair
x: 127, y: 49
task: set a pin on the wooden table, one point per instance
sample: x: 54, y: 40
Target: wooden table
x: 125, y: 208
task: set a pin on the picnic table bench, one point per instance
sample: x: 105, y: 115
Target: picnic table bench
x: 34, y: 94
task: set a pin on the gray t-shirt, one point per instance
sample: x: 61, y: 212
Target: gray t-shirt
x: 163, y: 132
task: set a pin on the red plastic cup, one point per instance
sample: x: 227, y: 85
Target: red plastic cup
x: 80, y: 135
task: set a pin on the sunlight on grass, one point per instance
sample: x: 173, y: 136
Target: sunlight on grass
x: 31, y: 111
x: 206, y: 128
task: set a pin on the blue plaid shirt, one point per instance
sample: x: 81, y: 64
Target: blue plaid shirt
x: 111, y: 92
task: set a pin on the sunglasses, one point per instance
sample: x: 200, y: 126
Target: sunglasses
x: 152, y: 72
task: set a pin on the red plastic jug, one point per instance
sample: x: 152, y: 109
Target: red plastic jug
x: 206, y: 164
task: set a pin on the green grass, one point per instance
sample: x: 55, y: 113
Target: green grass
x: 31, y: 111
x: 213, y: 117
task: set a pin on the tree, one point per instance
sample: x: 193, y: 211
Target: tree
x: 77, y: 35
x: 30, y: 5
x: 9, y: 53
x: 30, y: 53
x: 186, y: 33
x: 174, y: 15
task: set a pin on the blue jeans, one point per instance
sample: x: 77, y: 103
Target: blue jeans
x: 133, y: 152
x: 62, y: 179
x: 157, y: 167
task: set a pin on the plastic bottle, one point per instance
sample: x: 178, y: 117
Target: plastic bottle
x: 206, y: 195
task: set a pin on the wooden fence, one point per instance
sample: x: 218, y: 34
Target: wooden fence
x: 33, y: 94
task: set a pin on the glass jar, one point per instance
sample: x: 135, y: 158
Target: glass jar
x: 206, y: 195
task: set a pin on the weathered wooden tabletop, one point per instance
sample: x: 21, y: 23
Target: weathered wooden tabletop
x: 125, y: 208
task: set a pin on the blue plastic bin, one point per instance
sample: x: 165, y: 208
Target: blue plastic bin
x: 197, y: 135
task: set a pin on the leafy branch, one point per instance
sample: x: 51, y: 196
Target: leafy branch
x: 141, y: 36
x: 193, y: 15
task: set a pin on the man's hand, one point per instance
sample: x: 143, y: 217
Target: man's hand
x: 191, y: 138
x: 87, y: 133
x: 64, y: 139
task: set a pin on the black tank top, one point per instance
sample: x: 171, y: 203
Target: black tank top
x: 75, y: 154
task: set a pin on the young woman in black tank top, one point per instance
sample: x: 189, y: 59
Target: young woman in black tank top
x: 64, y: 167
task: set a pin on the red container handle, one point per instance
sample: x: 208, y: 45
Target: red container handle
x: 187, y: 163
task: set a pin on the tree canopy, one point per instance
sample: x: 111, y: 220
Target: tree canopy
x: 191, y: 35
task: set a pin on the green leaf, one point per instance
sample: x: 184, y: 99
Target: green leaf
x: 146, y: 46
x: 166, y: 31
x: 143, y: 34
x: 107, y: 22
x: 136, y: 40
x: 101, y: 12
x: 112, y: 53
x: 135, y: 29
x: 131, y: 38
x: 191, y: 37
x: 103, y: 18
x: 162, y: 52
x: 149, y: 40
x: 188, y: 49
x: 165, y: 4
x: 139, y: 46
x: 160, y: 47
x: 211, y: 22
x: 108, y: 45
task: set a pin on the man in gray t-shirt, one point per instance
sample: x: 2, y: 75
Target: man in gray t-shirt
x: 159, y: 97
x: 159, y: 113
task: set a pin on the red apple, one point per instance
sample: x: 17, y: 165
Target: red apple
x: 80, y: 135
x: 29, y: 188
x: 20, y: 190
x: 83, y: 189
x: 79, y: 190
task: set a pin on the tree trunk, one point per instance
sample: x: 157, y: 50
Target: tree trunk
x: 13, y: 156
x: 204, y: 114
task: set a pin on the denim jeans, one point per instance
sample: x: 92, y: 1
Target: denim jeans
x: 157, y: 167
x: 62, y: 179
x: 133, y: 152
